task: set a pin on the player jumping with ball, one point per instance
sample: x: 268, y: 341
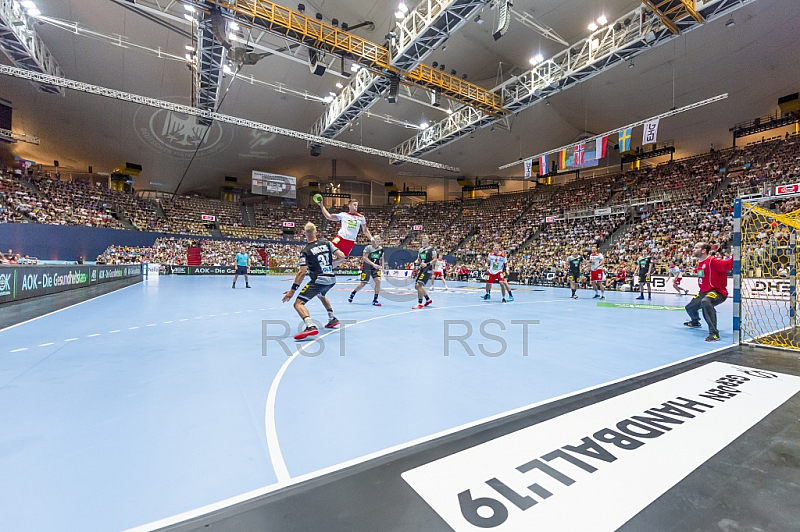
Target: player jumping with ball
x: 352, y: 221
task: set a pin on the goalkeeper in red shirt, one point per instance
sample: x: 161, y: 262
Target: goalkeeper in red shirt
x: 712, y: 279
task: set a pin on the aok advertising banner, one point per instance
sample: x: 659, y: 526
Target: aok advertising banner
x: 230, y: 270
x: 22, y: 282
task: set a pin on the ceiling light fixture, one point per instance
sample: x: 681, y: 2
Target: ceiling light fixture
x: 189, y: 48
x: 188, y: 17
x: 424, y: 125
x: 28, y: 4
x: 592, y: 26
x: 226, y: 69
x: 339, y: 85
x: 33, y: 12
x: 730, y: 23
x: 402, y: 7
x: 233, y: 25
x: 399, y: 15
x: 188, y: 8
x: 602, y: 21
x: 478, y: 20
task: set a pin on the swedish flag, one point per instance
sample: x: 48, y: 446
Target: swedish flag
x: 625, y: 140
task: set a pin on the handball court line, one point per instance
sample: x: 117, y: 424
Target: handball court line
x: 260, y: 492
x: 273, y: 445
x: 65, y: 308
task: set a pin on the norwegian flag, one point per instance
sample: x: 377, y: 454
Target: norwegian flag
x: 579, y: 150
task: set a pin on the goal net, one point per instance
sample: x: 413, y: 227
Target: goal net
x: 765, y: 271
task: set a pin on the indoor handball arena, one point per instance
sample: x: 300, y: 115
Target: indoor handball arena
x: 392, y: 266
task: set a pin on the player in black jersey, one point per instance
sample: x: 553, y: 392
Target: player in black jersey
x: 574, y: 262
x: 372, y: 264
x: 318, y: 258
x: 644, y: 267
x: 425, y: 257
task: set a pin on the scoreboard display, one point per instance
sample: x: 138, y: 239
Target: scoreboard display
x: 267, y: 184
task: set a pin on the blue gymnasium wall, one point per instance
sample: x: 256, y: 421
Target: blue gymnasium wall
x: 68, y: 242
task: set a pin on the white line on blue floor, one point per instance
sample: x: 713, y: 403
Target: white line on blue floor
x: 112, y: 332
x: 45, y: 345
x: 93, y: 335
x: 18, y: 350
x: 70, y: 339
x: 273, y: 445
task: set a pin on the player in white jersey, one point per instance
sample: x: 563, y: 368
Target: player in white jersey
x: 676, y: 274
x: 596, y: 275
x: 497, y: 263
x: 438, y: 272
x: 352, y: 221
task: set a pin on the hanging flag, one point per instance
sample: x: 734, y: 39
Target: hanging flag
x: 650, y: 132
x: 543, y: 165
x: 579, y: 151
x: 528, y: 167
x: 562, y: 159
x: 600, y: 147
x: 625, y: 140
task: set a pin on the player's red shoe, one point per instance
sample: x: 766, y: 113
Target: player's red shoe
x: 310, y: 331
x: 428, y: 302
x: 419, y: 305
x: 332, y: 323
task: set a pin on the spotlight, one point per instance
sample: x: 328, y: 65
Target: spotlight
x: 617, y: 26
x: 402, y: 8
x: 592, y: 26
x: 189, y: 48
x: 188, y: 8
x: 226, y: 68
x: 441, y: 67
x: 444, y: 48
x: 731, y: 23
x: 631, y: 65
x: 478, y: 20
x: 399, y: 15
x: 602, y: 20
x: 316, y: 151
x: 453, y: 72
x: 319, y: 16
x: 301, y: 8
x: 188, y: 17
x: 627, y: 22
x: 424, y: 125
x: 345, y: 26
x: 435, y: 64
x: 463, y: 76
x: 233, y: 26
x: 339, y: 85
x: 335, y: 22
x: 355, y: 67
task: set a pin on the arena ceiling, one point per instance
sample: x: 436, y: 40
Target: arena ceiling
x: 754, y: 61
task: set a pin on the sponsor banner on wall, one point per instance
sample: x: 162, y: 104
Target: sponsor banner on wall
x: 787, y: 189
x: 253, y: 270
x: 208, y: 217
x: 417, y: 228
x: 610, y: 459
x: 22, y: 282
x: 288, y: 224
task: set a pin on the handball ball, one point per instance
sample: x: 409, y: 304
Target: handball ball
x: 317, y: 198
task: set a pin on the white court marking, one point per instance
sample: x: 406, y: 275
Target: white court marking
x: 273, y: 445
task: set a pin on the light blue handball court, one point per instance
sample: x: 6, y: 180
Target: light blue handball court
x: 158, y: 398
